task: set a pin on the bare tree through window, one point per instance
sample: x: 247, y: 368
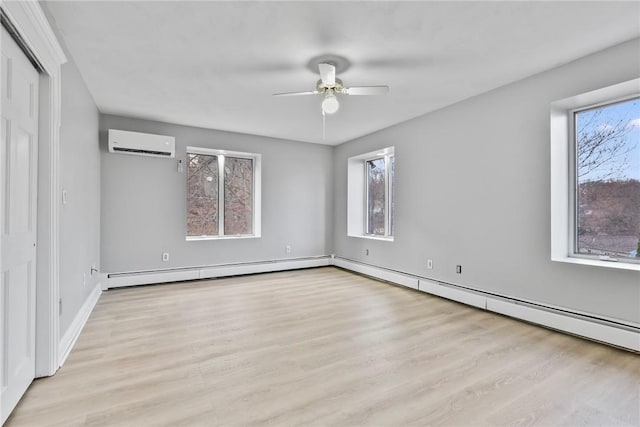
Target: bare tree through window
x: 219, y: 203
x: 376, y: 197
x: 379, y: 193
x: 608, y: 179
x: 238, y: 200
x: 392, y: 204
x: 202, y: 195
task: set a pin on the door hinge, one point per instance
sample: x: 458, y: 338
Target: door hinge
x: 60, y: 307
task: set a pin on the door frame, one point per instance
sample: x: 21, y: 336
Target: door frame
x: 29, y: 23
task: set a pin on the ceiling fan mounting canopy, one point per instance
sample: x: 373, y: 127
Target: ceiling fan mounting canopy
x: 341, y: 63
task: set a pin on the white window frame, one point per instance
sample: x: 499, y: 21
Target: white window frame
x: 257, y: 195
x: 563, y: 173
x: 357, y: 194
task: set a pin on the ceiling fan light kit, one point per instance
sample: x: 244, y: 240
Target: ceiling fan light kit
x: 330, y: 103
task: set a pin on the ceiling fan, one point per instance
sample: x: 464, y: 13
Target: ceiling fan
x: 329, y: 86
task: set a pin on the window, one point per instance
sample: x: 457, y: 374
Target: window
x: 607, y: 165
x: 371, y: 195
x: 595, y: 177
x: 223, y: 194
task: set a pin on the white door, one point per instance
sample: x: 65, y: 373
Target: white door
x: 18, y: 187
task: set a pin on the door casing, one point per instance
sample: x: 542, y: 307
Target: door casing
x: 29, y: 25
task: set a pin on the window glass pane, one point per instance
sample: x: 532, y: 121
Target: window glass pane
x: 392, y: 205
x: 202, y: 195
x: 376, y: 202
x: 238, y: 196
x: 608, y: 177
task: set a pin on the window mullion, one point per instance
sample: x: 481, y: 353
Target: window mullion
x: 221, y: 195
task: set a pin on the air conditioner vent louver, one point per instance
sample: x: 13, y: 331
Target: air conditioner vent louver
x: 141, y: 144
x: 139, y: 151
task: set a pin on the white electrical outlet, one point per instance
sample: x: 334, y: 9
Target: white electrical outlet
x: 287, y: 249
x: 366, y: 252
x: 430, y: 264
x: 165, y: 256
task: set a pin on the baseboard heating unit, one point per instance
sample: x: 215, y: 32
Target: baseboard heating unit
x: 116, y: 280
x: 610, y: 331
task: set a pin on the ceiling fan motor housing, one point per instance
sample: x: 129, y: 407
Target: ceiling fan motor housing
x: 322, y: 87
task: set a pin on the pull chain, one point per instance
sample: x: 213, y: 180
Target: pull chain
x: 323, y: 125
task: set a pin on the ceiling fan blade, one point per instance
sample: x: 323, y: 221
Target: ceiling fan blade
x: 366, y: 90
x: 310, y: 92
x: 327, y: 74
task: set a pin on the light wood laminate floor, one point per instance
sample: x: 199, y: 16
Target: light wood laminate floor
x: 324, y: 347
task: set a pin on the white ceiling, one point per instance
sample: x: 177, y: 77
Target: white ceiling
x: 216, y: 64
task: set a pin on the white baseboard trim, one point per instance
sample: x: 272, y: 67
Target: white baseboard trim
x: 590, y: 327
x: 70, y: 337
x: 116, y: 280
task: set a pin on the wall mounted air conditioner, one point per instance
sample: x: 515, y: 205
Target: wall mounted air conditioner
x: 141, y: 144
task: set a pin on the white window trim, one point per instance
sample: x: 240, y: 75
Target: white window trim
x: 357, y: 194
x: 563, y: 183
x: 257, y: 193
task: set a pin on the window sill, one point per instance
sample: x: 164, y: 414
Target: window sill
x: 620, y: 265
x: 198, y: 238
x: 361, y: 236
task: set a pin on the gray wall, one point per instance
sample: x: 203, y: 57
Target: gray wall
x: 473, y: 189
x: 144, y: 201
x: 80, y: 178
